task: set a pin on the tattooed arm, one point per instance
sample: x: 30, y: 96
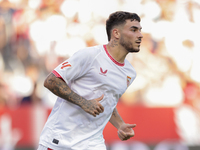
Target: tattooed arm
x: 116, y: 119
x: 60, y: 88
x: 125, y: 131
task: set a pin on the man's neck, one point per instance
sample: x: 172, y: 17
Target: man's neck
x: 116, y: 51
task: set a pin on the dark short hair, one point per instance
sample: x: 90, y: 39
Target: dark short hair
x: 119, y: 18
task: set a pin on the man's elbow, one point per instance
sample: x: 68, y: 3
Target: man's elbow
x: 48, y: 81
x: 45, y: 83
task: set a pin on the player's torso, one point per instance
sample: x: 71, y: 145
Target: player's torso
x: 104, y: 77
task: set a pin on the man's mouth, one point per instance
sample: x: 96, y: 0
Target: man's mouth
x: 138, y: 42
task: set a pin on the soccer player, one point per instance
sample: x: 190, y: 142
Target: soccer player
x: 88, y: 86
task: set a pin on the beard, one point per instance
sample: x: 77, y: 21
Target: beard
x: 128, y: 45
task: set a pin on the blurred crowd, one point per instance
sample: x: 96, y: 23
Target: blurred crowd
x: 37, y: 35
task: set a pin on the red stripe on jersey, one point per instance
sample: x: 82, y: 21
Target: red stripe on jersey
x: 49, y: 149
x: 116, y: 62
x: 57, y: 75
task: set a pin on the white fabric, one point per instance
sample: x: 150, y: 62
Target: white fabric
x: 41, y: 147
x: 85, y: 73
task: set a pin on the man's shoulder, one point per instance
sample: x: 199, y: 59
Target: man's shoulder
x: 129, y: 66
x: 93, y: 49
x: 91, y: 52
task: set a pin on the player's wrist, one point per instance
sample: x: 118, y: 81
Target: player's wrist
x: 82, y: 103
x: 120, y: 125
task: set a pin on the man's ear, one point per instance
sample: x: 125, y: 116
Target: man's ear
x: 116, y: 33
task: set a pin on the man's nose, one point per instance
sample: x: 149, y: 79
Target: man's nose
x: 140, y: 35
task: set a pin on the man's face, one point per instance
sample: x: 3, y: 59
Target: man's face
x: 131, y: 36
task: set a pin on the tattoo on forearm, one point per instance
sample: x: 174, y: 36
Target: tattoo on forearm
x: 114, y: 113
x: 61, y: 89
x: 116, y: 119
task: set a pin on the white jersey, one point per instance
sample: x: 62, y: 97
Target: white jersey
x: 90, y: 72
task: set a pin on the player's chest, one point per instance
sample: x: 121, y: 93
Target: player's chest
x: 107, y: 75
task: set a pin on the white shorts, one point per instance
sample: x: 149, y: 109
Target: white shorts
x: 41, y: 147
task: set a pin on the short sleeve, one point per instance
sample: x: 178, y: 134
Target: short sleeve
x: 74, y: 67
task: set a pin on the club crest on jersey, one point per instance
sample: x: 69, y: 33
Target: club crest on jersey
x: 65, y: 64
x: 128, y: 80
x: 103, y: 72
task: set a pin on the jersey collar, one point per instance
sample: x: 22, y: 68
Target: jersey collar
x: 116, y: 62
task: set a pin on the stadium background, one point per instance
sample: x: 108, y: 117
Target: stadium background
x: 164, y: 100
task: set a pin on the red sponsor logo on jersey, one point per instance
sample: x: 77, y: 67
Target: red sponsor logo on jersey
x: 128, y: 80
x: 103, y: 72
x: 65, y: 64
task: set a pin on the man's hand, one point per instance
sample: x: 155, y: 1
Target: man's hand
x: 93, y: 107
x: 125, y: 131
